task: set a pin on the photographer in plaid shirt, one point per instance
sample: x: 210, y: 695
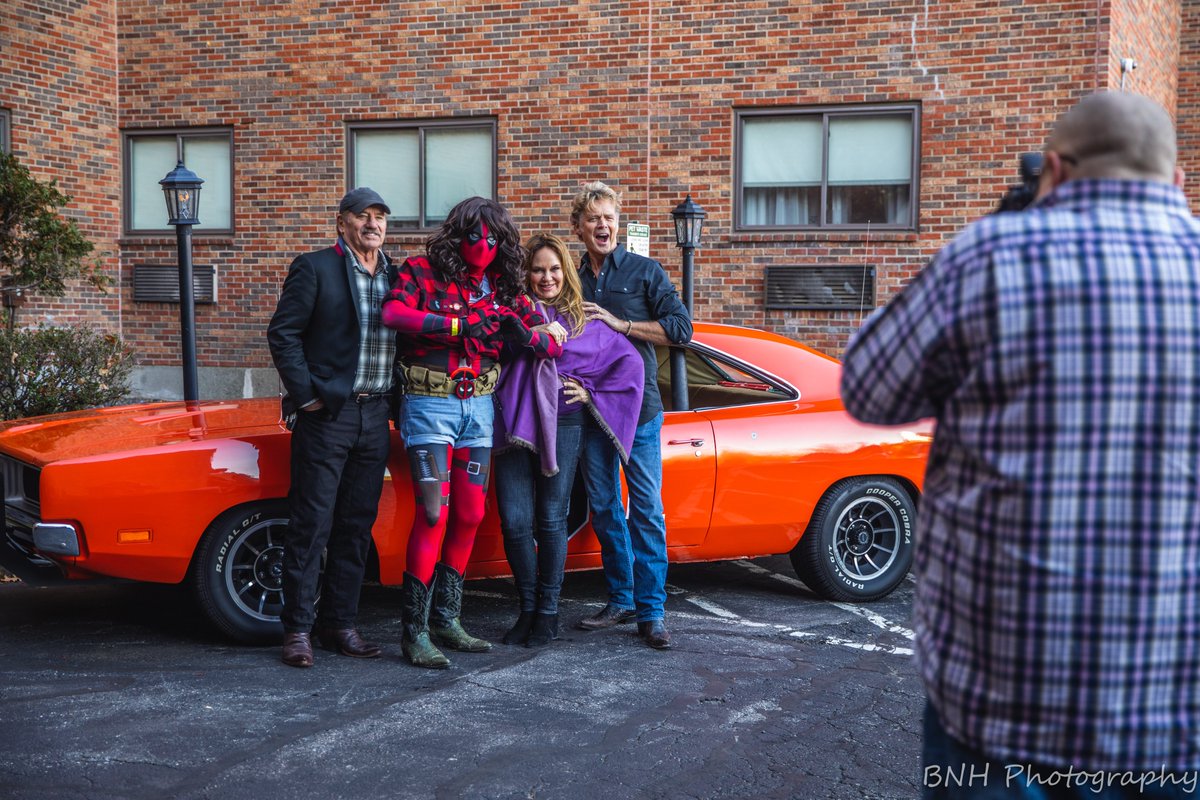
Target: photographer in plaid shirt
x: 1057, y: 602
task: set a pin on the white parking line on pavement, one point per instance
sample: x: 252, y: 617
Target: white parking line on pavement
x: 755, y: 568
x: 871, y: 648
x: 714, y: 609
x: 725, y: 615
x: 875, y: 619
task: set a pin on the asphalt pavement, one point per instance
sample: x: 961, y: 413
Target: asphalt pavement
x: 122, y: 691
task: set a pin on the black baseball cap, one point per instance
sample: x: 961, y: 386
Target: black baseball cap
x: 360, y: 199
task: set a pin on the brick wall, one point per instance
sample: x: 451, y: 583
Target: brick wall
x: 639, y: 93
x: 1188, y: 117
x: 1148, y: 31
x: 58, y: 78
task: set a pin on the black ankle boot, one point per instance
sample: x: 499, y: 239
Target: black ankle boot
x: 519, y: 632
x: 544, y: 631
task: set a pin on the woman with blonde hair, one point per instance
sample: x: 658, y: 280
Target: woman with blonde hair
x: 542, y: 406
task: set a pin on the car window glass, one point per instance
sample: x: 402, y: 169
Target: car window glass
x: 715, y: 383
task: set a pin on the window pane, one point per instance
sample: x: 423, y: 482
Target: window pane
x: 151, y: 158
x: 868, y: 205
x: 4, y: 132
x: 782, y: 206
x: 870, y: 149
x: 208, y: 157
x: 458, y: 165
x: 781, y: 171
x: 781, y: 152
x: 388, y: 162
x: 870, y: 169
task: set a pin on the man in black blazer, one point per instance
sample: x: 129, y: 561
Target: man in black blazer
x: 335, y: 359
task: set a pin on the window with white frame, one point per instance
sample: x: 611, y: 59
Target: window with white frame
x: 827, y: 167
x: 5, y: 122
x: 150, y: 155
x: 424, y: 169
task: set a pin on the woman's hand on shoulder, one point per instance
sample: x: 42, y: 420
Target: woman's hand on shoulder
x: 554, y: 330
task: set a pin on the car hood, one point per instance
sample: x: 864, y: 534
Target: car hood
x: 100, y: 431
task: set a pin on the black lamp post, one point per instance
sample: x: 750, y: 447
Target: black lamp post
x: 689, y: 222
x: 182, y: 189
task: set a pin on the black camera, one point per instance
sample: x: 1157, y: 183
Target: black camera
x: 1021, y: 195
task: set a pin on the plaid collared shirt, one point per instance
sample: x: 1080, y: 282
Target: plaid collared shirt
x: 1057, y: 604
x: 377, y: 344
x: 417, y: 286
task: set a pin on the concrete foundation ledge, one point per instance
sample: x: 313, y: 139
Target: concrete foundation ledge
x: 216, y: 383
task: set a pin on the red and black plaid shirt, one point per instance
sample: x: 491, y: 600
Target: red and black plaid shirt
x: 425, y: 336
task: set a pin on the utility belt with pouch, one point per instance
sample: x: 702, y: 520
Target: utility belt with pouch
x: 463, y: 383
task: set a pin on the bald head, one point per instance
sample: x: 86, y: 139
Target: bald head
x: 1116, y: 135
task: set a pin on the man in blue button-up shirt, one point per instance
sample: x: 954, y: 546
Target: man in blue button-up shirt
x: 633, y: 296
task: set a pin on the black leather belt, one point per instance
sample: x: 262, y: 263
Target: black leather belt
x: 369, y: 397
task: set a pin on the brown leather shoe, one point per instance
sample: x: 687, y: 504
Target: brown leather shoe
x: 297, y: 650
x: 607, y: 617
x: 654, y: 633
x: 347, y: 642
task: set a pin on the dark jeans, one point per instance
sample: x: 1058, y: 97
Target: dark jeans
x: 953, y: 771
x: 337, y: 478
x: 532, y: 508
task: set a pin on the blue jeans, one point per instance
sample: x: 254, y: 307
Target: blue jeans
x: 446, y: 420
x: 953, y: 771
x: 634, y: 551
x: 533, y: 508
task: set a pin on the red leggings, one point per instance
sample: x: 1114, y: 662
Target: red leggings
x: 453, y: 535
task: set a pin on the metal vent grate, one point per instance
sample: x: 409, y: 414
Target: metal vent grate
x: 831, y: 287
x: 154, y: 283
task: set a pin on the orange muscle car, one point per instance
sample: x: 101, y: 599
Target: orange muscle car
x: 764, y: 461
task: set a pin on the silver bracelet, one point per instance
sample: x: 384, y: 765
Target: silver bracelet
x: 628, y: 326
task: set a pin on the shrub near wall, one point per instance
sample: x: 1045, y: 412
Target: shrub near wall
x: 47, y: 370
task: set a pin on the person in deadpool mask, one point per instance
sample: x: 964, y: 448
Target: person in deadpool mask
x: 455, y: 308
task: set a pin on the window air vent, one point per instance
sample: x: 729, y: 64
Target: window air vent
x: 154, y: 283
x: 829, y: 288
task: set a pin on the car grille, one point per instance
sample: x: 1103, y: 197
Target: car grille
x: 20, y: 484
x: 22, y: 506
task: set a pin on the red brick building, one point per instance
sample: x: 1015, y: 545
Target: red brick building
x: 834, y: 145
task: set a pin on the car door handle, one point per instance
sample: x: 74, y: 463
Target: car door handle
x: 692, y: 442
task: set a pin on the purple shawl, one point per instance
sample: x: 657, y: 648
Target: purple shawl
x: 529, y: 392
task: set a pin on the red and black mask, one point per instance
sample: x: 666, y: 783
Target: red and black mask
x: 479, y: 247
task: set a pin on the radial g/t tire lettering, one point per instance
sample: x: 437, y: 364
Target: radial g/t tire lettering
x: 859, y: 543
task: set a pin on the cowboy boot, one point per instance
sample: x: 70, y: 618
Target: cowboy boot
x: 415, y: 599
x: 447, y: 606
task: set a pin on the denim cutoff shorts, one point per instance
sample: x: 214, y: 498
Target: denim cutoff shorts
x: 446, y: 420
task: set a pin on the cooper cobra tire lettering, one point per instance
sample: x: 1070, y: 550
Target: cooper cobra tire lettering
x: 859, y: 541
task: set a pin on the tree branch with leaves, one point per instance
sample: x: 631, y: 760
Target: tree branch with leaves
x: 40, y: 250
